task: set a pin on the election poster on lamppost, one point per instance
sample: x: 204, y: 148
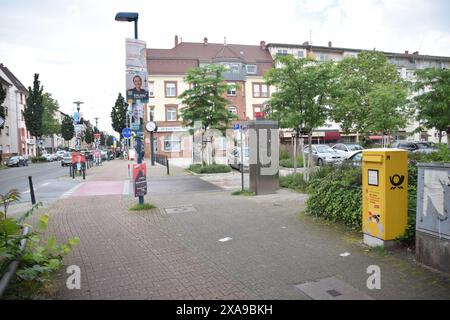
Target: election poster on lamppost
x: 136, y: 54
x: 140, y: 179
x: 137, y: 86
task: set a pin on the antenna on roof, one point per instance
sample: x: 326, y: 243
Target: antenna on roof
x: 224, y: 41
x: 310, y: 37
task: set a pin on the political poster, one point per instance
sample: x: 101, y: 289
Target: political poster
x: 137, y: 86
x: 140, y: 179
x: 136, y: 54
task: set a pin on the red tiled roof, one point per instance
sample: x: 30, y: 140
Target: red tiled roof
x: 187, y: 55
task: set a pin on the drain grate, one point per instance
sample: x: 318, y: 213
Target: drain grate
x: 180, y: 209
x: 331, y: 289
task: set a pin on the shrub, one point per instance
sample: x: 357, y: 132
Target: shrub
x: 38, y: 159
x: 289, y: 162
x: 284, y: 152
x: 335, y: 194
x: 213, y: 168
x: 293, y: 181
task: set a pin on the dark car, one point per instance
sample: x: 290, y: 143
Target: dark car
x: 17, y: 161
x: 355, y: 159
x: 418, y: 147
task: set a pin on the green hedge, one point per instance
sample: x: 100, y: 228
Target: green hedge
x: 293, y: 181
x: 335, y: 194
x: 213, y: 168
x: 289, y: 162
x: 38, y: 159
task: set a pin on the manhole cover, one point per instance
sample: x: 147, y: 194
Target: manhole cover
x: 331, y: 289
x: 182, y: 209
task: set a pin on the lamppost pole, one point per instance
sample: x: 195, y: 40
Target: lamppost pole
x: 129, y: 17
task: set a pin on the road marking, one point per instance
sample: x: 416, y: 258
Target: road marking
x: 45, y: 184
x: 126, y: 187
x: 69, y: 193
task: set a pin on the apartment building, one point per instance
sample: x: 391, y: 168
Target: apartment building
x: 14, y: 137
x: 407, y: 63
x: 245, y: 65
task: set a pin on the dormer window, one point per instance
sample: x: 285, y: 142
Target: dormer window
x: 251, y: 69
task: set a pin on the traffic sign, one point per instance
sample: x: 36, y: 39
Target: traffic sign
x: 237, y: 126
x: 126, y: 133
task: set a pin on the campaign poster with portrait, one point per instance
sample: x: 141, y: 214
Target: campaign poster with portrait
x: 137, y: 86
x: 140, y: 179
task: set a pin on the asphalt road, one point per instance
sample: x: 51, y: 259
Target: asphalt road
x: 47, y: 178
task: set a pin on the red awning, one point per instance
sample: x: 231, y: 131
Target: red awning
x: 332, y: 135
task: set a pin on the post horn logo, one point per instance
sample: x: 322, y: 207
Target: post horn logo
x: 397, y: 181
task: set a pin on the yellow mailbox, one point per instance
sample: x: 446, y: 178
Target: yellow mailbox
x: 385, y: 195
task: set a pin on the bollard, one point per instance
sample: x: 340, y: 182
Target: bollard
x: 70, y: 170
x: 84, y: 174
x: 167, y: 165
x: 30, y: 181
x: 73, y: 172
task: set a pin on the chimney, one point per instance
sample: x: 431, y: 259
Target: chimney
x: 176, y: 40
x: 416, y: 52
x: 262, y: 44
x: 406, y: 52
x: 329, y: 44
x: 306, y: 43
x: 205, y: 41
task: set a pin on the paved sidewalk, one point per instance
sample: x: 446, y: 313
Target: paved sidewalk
x: 175, y: 252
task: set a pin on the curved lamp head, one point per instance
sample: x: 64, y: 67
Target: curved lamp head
x: 127, y: 16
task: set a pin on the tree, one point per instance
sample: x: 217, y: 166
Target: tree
x: 433, y: 104
x: 359, y: 82
x: 303, y: 91
x: 89, y: 135
x: 2, y: 99
x: 204, y: 101
x: 67, y: 128
x: 119, y: 114
x: 34, y: 109
x: 109, y: 141
x: 50, y: 125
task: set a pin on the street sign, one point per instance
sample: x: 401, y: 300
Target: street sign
x: 126, y: 133
x: 237, y: 126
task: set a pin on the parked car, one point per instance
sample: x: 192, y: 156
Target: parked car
x: 323, y: 154
x: 346, y: 150
x: 234, y: 158
x: 48, y: 157
x: 355, y: 159
x: 411, y: 146
x: 67, y: 159
x: 60, y: 154
x: 17, y: 161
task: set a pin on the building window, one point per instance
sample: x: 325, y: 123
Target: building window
x: 282, y: 52
x: 150, y: 113
x: 301, y: 54
x: 235, y: 68
x: 6, y: 111
x: 231, y: 91
x: 171, y: 113
x: 232, y: 109
x: 172, y: 144
x: 260, y: 90
x: 171, y: 89
x: 7, y: 130
x: 151, y: 89
x: 251, y: 69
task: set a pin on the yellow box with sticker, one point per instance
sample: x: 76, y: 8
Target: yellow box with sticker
x: 385, y: 193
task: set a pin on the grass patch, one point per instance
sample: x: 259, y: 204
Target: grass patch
x: 142, y: 207
x: 289, y: 162
x: 244, y: 192
x: 293, y: 181
x: 212, y: 168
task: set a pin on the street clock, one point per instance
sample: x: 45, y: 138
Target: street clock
x: 150, y: 126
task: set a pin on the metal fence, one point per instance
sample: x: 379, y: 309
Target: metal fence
x: 163, y: 160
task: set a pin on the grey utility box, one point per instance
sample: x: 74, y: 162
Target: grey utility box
x: 432, y: 217
x: 264, y: 149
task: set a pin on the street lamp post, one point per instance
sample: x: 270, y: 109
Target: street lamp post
x: 133, y: 17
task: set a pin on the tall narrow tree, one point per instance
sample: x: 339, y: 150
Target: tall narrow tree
x: 433, y: 103
x: 67, y: 129
x: 50, y: 124
x: 204, y: 100
x: 34, y: 109
x: 119, y: 114
x: 2, y: 109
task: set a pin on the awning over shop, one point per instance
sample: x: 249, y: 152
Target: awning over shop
x: 332, y: 135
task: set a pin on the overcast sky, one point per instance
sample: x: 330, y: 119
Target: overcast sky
x: 79, y: 50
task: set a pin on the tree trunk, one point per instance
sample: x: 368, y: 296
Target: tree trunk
x: 294, y: 154
x: 440, y: 136
x: 310, y: 161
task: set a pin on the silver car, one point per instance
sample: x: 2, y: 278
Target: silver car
x: 67, y: 159
x: 346, y: 150
x: 323, y: 154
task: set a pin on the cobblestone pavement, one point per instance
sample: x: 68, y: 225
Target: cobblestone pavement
x: 174, y: 252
